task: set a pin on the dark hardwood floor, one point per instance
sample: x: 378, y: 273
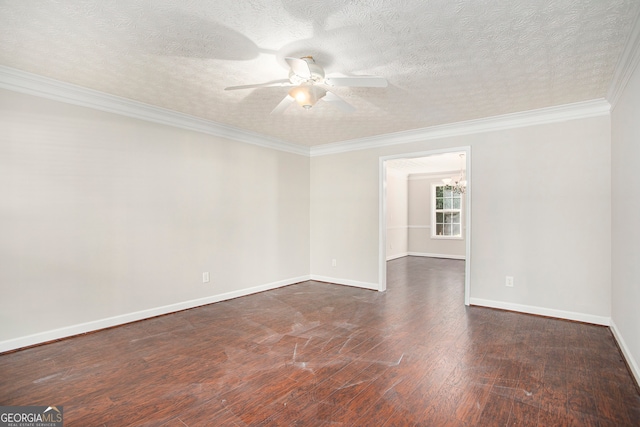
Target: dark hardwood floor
x: 316, y: 354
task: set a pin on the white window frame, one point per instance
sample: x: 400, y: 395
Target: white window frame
x: 434, y: 185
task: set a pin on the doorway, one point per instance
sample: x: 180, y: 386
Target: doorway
x: 434, y: 163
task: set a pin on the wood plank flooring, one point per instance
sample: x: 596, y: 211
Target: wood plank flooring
x: 316, y: 354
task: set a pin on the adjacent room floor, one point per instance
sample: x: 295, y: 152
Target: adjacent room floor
x: 316, y: 354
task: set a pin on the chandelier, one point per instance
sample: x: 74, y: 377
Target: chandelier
x: 457, y: 184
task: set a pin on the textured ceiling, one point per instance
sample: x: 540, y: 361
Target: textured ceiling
x: 446, y: 60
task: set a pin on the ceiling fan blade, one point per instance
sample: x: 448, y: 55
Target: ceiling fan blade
x: 283, y: 105
x: 338, y: 102
x: 273, y: 83
x: 356, y: 81
x: 299, y: 66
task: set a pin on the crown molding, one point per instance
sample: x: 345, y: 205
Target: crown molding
x: 560, y: 113
x: 32, y: 84
x: 627, y: 64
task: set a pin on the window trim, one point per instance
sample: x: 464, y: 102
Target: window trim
x: 433, y: 215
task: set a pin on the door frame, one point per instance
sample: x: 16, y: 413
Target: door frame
x: 382, y: 231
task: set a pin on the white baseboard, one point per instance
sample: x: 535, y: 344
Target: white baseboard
x: 402, y: 255
x: 631, y: 361
x: 95, y: 325
x: 346, y: 282
x: 542, y: 311
x: 425, y: 254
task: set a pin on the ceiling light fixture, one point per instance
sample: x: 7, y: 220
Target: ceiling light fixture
x: 311, y: 85
x: 307, y: 95
x: 458, y: 184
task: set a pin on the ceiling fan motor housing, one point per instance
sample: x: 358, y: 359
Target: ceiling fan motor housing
x: 316, y: 73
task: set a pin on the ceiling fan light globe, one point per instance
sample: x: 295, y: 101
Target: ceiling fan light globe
x: 307, y: 96
x: 299, y: 94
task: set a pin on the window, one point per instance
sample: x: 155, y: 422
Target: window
x: 446, y: 213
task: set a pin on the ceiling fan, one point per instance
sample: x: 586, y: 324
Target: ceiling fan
x: 309, y: 85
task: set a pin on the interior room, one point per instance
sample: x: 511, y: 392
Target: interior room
x: 258, y: 183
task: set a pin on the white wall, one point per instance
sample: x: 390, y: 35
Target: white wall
x: 421, y: 243
x: 625, y: 183
x: 540, y: 213
x: 344, y: 218
x: 102, y: 216
x: 397, y: 214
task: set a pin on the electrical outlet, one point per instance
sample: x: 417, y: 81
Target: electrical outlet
x: 509, y: 281
x: 205, y: 277
x: 334, y: 262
